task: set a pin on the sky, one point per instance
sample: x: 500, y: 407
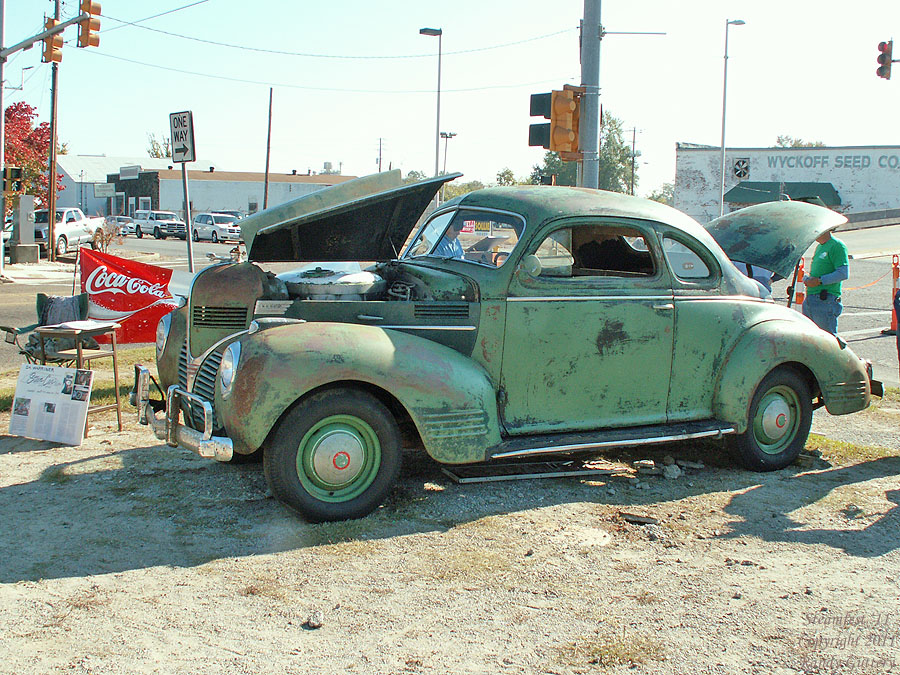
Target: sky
x: 352, y: 78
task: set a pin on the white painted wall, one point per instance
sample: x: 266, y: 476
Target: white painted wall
x: 211, y: 195
x: 867, y: 178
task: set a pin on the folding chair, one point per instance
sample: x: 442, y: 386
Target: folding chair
x: 50, y: 309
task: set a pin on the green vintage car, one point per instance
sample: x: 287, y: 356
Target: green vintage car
x: 514, y: 322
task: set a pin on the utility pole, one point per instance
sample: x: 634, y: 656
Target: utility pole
x: 2, y: 130
x: 589, y: 128
x: 633, y: 142
x: 268, y: 151
x: 379, y: 148
x: 51, y: 178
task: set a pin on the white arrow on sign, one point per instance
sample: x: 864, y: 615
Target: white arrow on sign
x: 181, y: 127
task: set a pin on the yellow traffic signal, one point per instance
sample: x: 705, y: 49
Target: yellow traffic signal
x: 52, y: 44
x: 565, y: 113
x: 88, y: 27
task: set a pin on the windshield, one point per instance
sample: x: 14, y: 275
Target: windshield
x: 164, y: 215
x: 481, y: 237
x: 40, y: 217
x: 223, y: 220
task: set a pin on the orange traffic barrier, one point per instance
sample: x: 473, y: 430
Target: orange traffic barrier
x: 800, y: 295
x: 895, y: 269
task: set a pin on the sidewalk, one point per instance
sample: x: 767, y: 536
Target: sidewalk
x: 38, y: 273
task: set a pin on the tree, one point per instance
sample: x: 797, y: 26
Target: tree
x: 159, y: 148
x: 505, y: 177
x: 452, y: 190
x: 664, y: 194
x: 414, y: 176
x: 785, y: 141
x: 615, y: 161
x: 28, y: 147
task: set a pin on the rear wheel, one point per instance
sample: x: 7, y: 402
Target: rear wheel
x: 779, y: 422
x: 215, y: 238
x: 195, y: 236
x: 334, y: 456
x: 62, y: 246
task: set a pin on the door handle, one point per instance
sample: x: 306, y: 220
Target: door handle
x: 668, y: 305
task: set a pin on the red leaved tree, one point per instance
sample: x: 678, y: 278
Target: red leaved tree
x: 28, y: 146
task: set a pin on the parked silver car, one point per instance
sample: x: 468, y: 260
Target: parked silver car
x: 216, y: 227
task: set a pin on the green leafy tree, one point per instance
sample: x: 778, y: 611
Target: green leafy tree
x: 664, y: 194
x: 505, y: 177
x: 414, y: 176
x: 785, y: 141
x: 452, y: 190
x: 615, y: 161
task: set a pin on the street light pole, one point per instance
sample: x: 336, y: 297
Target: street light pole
x: 436, y: 32
x: 735, y: 22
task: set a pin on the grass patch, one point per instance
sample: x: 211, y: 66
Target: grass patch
x: 608, y: 651
x: 103, y: 391
x: 841, y: 452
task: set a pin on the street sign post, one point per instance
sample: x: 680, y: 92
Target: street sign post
x: 181, y: 126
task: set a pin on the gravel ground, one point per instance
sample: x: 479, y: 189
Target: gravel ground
x: 125, y: 556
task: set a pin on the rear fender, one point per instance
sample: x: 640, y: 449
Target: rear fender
x: 839, y: 374
x: 448, y: 396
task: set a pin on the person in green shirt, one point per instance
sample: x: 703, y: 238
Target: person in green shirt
x: 830, y: 266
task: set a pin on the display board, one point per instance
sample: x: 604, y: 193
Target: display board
x: 51, y: 403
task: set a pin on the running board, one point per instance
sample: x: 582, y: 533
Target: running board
x: 550, y: 444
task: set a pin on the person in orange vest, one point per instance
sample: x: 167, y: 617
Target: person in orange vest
x: 829, y: 267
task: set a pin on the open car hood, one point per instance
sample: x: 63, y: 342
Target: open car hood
x: 773, y: 235
x: 367, y: 218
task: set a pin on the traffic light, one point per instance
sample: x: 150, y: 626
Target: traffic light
x: 885, y: 58
x: 52, y: 44
x: 564, y: 116
x: 563, y: 109
x: 87, y: 28
x: 12, y: 179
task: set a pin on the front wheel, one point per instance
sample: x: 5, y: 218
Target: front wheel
x: 137, y: 232
x: 215, y: 238
x: 779, y: 421
x: 334, y: 456
x: 157, y: 233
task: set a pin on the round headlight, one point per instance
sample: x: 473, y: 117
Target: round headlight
x: 228, y: 367
x: 162, y: 333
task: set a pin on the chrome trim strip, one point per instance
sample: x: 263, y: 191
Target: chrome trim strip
x: 717, y: 433
x: 562, y: 298
x: 459, y: 328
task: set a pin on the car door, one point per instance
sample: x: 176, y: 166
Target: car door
x: 589, y: 330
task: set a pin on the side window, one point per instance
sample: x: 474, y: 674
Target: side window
x: 596, y: 251
x: 685, y: 262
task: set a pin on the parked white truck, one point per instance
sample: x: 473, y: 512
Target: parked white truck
x: 72, y: 229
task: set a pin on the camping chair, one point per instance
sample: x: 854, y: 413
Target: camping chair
x: 50, y: 310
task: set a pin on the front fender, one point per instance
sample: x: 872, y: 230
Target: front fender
x: 839, y: 373
x: 449, y: 397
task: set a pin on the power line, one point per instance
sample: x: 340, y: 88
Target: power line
x: 326, y: 56
x: 310, y: 88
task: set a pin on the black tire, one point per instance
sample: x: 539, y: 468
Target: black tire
x: 302, y: 460
x: 157, y: 233
x: 778, y: 424
x: 215, y: 238
x: 137, y: 232
x: 195, y: 236
x: 62, y: 246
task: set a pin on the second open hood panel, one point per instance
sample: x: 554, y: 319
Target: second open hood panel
x: 368, y: 218
x: 773, y: 235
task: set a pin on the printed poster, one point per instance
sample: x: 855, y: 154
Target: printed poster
x: 51, y: 403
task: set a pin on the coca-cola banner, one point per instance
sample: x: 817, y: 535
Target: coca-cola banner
x: 133, y: 294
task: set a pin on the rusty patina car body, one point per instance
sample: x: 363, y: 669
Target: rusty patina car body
x: 565, y: 320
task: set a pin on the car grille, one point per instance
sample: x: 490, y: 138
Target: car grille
x: 223, y: 318
x: 451, y: 310
x: 204, y: 386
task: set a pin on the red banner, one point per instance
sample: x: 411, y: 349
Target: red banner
x: 133, y: 294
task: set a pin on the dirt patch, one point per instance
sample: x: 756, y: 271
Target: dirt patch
x: 127, y: 556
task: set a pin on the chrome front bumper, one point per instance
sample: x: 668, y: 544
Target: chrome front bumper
x: 169, y: 429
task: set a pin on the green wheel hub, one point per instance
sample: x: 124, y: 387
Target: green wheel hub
x: 338, y: 458
x: 777, y: 419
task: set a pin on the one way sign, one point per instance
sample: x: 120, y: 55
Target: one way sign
x: 181, y: 126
